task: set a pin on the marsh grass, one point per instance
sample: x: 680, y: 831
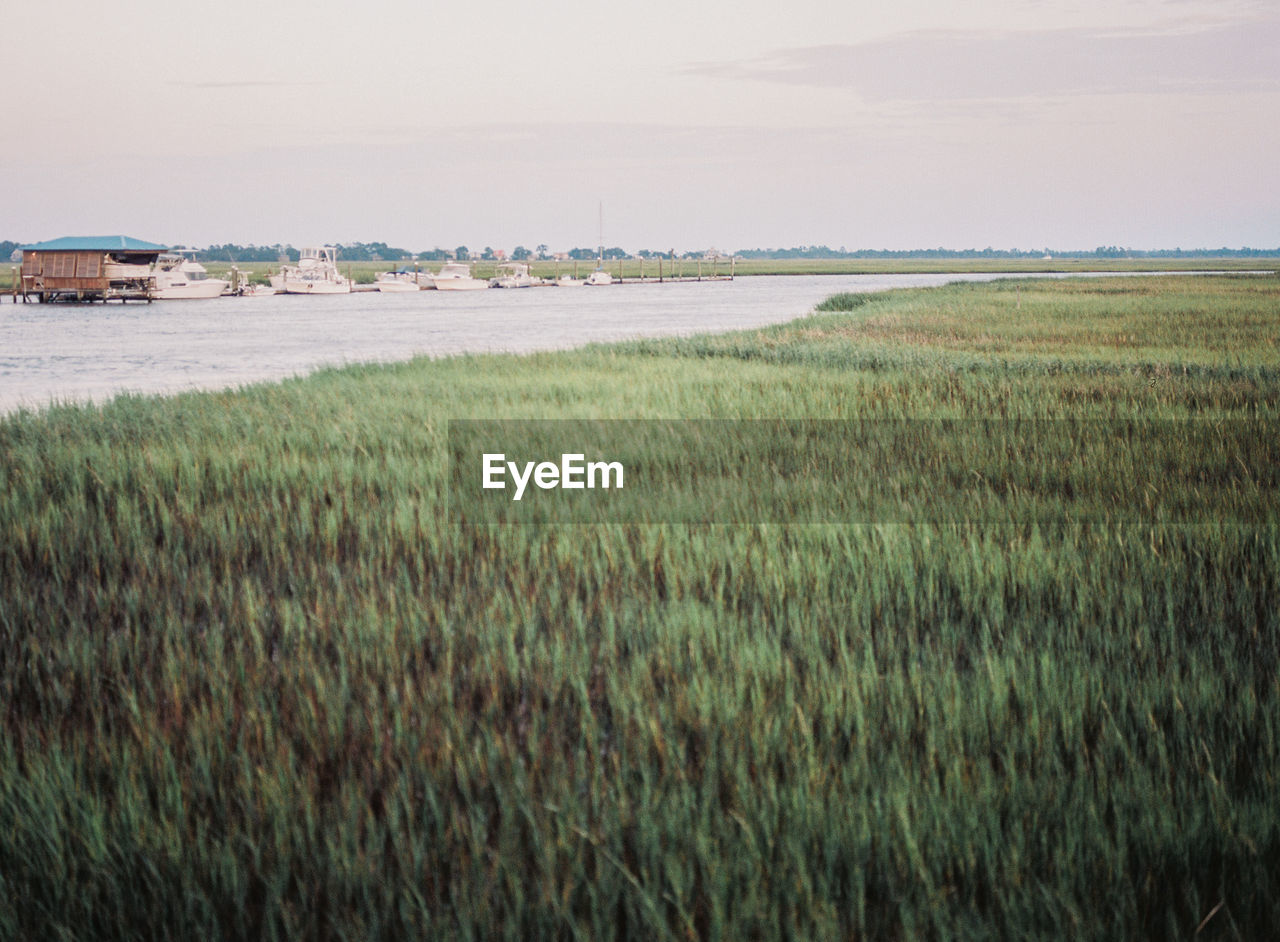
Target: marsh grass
x: 255, y: 685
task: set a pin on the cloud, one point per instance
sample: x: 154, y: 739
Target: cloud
x: 958, y: 64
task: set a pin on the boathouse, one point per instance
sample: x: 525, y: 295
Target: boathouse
x: 88, y: 268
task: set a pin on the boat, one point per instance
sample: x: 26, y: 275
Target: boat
x: 402, y: 280
x: 456, y: 276
x: 316, y: 273
x: 600, y: 276
x: 176, y: 275
x: 512, y: 275
x: 242, y: 285
x: 568, y: 281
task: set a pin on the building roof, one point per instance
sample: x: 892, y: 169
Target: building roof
x: 114, y: 243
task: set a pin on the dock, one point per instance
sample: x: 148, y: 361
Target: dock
x: 82, y: 270
x: 659, y: 269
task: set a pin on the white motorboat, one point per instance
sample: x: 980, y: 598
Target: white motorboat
x: 242, y: 285
x: 512, y: 275
x: 568, y: 281
x: 456, y: 276
x: 316, y: 273
x: 177, y: 275
x: 599, y: 277
x: 397, y: 281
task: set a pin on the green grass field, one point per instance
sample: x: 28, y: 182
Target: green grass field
x: 256, y: 682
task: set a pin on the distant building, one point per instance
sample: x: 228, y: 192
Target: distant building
x: 88, y: 268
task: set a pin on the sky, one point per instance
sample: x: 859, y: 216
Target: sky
x: 667, y: 125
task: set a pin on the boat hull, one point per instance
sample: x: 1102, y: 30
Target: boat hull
x: 460, y: 284
x: 207, y: 288
x: 315, y: 287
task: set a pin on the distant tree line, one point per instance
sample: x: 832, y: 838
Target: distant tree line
x: 355, y: 252
x: 588, y: 254
x: 372, y: 251
x: 1102, y: 251
x: 230, y: 252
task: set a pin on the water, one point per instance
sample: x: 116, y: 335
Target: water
x: 64, y: 352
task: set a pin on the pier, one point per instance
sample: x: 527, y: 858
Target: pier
x: 661, y: 269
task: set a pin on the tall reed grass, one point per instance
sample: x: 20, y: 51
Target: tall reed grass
x: 255, y: 684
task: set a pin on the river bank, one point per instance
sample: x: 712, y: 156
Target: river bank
x: 365, y: 272
x: 68, y: 352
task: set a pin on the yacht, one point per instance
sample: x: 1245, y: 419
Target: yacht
x: 512, y: 275
x: 177, y: 275
x: 316, y: 273
x: 456, y: 276
x: 599, y: 277
x: 402, y: 280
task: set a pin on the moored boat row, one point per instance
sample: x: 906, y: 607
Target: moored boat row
x: 457, y: 276
x: 119, y: 268
x: 177, y: 275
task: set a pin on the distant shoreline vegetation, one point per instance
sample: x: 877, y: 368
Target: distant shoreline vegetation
x: 381, y: 251
x: 1102, y: 251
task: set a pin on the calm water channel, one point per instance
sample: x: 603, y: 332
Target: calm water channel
x: 61, y: 352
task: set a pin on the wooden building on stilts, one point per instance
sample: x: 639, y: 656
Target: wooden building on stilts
x: 89, y: 268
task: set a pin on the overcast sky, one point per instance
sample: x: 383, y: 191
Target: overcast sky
x: 743, y: 124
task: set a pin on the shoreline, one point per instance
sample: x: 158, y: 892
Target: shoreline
x: 365, y: 271
x: 158, y: 364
